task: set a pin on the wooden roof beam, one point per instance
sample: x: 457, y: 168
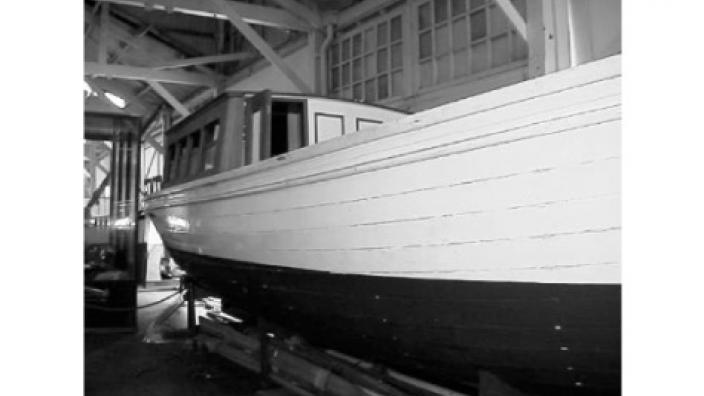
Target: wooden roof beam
x: 261, y: 45
x: 169, y: 98
x: 514, y: 16
x: 302, y: 11
x: 251, y: 13
x: 95, y: 69
x: 202, y: 60
x: 104, y: 35
x: 358, y: 11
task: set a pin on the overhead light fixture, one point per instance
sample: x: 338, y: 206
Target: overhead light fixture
x: 116, y: 100
x: 87, y: 90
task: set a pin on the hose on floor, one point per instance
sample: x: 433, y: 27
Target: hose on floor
x: 151, y: 304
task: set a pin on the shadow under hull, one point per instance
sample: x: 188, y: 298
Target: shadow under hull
x: 545, y: 338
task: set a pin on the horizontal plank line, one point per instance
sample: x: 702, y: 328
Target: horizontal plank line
x: 353, y: 169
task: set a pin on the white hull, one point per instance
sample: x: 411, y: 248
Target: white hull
x: 520, y: 184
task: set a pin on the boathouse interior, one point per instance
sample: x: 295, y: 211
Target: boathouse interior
x: 169, y: 82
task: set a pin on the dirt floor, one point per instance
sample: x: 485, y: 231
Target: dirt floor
x: 158, y: 359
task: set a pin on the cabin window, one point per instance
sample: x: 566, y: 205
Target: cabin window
x: 366, y: 63
x: 363, y: 123
x: 182, y: 157
x: 457, y: 38
x: 210, y: 140
x: 328, y: 126
x: 194, y: 161
x: 172, y: 162
x: 256, y: 134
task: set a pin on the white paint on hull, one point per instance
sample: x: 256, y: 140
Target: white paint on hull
x: 520, y: 184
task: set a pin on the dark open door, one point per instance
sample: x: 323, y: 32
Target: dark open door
x: 258, y: 133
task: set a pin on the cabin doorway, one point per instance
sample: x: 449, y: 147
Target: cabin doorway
x: 287, y: 128
x: 274, y: 127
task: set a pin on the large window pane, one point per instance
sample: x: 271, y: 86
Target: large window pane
x: 425, y: 45
x: 335, y: 54
x: 383, y: 86
x: 520, y: 48
x: 335, y: 78
x: 476, y: 3
x: 397, y: 88
x: 382, y: 59
x: 461, y: 63
x: 480, y: 57
x: 396, y: 28
x: 357, y: 45
x: 440, y: 10
x: 369, y: 69
x: 477, y: 23
x: 443, y: 66
x: 369, y: 40
x: 382, y: 34
x: 357, y: 92
x: 442, y: 40
x: 424, y: 16
x: 458, y: 7
x: 346, y: 49
x: 499, y: 21
x: 396, y: 56
x: 357, y: 69
x: 370, y: 90
x: 426, y: 73
x: 459, y: 33
x: 500, y: 52
x: 346, y: 74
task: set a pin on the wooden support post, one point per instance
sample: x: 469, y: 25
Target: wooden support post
x: 104, y: 26
x: 191, y: 304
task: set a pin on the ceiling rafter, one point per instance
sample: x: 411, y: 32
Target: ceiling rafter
x: 514, y: 16
x: 95, y: 69
x: 261, y: 45
x: 200, y: 60
x: 103, y: 37
x: 251, y: 13
x: 169, y: 98
x: 311, y: 16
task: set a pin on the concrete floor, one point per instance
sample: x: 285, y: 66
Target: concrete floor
x: 159, y: 360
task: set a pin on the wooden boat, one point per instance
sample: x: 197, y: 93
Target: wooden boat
x: 482, y: 234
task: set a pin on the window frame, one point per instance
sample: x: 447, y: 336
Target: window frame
x: 490, y: 34
x: 329, y: 115
x: 341, y: 67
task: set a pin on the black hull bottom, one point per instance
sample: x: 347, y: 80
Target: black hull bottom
x: 543, y: 338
